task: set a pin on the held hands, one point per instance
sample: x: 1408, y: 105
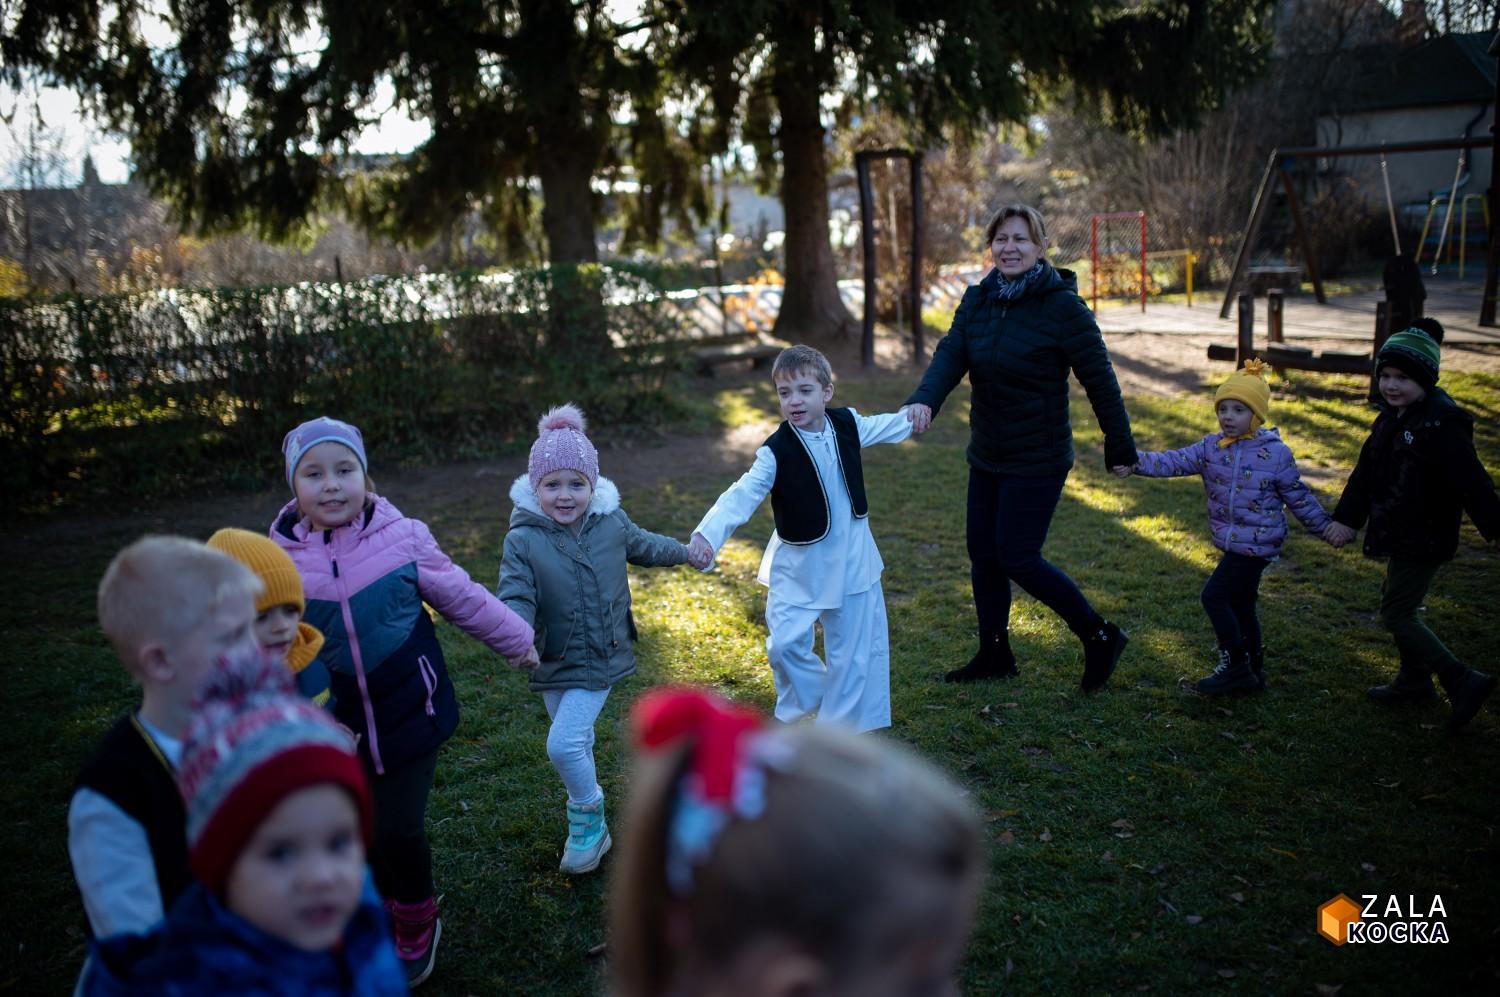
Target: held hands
x: 526, y: 662
x: 920, y: 417
x: 1337, y: 534
x: 700, y: 552
x: 1123, y: 470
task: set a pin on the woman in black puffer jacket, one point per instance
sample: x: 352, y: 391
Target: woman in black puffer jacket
x: 1017, y: 334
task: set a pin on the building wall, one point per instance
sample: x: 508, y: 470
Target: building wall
x: 1414, y: 176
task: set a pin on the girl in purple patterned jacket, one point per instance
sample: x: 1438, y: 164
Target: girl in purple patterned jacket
x: 1248, y: 474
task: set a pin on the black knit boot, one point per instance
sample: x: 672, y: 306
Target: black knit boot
x: 1233, y: 674
x: 993, y: 661
x: 1101, y: 652
x: 1467, y: 690
x: 1410, y: 685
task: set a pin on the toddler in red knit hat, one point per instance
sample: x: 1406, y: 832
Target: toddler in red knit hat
x: 278, y: 822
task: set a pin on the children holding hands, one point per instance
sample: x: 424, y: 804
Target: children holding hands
x: 821, y: 564
x: 1416, y: 477
x: 367, y: 571
x: 563, y: 572
x: 1249, y: 474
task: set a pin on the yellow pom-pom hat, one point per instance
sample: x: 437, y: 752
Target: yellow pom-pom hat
x: 1248, y: 385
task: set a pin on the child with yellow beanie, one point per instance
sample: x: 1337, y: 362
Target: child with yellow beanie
x: 1248, y: 474
x: 279, y: 629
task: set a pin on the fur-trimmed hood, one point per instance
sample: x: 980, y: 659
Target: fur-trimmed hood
x: 528, y: 508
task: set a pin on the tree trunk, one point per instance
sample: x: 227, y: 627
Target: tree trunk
x: 568, y: 201
x: 578, y: 322
x: 810, y: 305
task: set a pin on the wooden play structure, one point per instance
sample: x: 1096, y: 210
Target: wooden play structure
x: 1244, y: 278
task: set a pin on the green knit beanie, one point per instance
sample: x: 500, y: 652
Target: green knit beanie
x: 1414, y: 353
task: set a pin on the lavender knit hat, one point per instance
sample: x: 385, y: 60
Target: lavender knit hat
x: 561, y: 445
x: 320, y: 430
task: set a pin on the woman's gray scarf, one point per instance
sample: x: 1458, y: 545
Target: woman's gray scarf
x: 1010, y: 290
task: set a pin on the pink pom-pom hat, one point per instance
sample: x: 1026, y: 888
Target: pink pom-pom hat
x: 561, y: 446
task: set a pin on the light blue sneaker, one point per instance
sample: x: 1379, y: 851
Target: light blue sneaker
x: 588, y: 837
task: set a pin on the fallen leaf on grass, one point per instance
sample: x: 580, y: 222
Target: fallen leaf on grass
x: 1238, y: 898
x: 1006, y: 838
x: 1159, y: 868
x: 1367, y: 866
x: 1228, y: 734
x: 1228, y: 974
x: 1108, y: 856
x: 1123, y: 824
x: 1045, y: 835
x: 1388, y: 785
x: 1194, y: 919
x: 1283, y: 851
x: 1226, y: 711
x: 1328, y: 989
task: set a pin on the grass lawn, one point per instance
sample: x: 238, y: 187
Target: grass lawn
x: 1141, y: 839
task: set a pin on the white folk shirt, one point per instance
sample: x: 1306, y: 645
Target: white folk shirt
x: 845, y: 562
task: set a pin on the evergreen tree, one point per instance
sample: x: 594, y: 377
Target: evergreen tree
x: 242, y: 118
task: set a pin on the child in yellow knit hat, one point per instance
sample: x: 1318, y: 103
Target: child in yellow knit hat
x: 1248, y: 475
x: 278, y: 612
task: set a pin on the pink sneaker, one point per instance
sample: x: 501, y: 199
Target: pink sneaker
x: 416, y: 928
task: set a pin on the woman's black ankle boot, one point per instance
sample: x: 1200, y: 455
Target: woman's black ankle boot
x: 994, y: 661
x: 1101, y: 652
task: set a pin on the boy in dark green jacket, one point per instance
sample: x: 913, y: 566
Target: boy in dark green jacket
x: 1417, y: 474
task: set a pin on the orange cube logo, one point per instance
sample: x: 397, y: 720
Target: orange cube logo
x: 1334, y: 918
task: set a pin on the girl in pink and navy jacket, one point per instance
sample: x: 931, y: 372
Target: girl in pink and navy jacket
x: 1248, y: 474
x: 367, y: 570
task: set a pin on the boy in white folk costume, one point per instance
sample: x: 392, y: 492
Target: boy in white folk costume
x: 821, y: 563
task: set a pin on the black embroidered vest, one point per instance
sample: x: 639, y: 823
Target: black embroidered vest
x: 128, y: 770
x: 799, y: 500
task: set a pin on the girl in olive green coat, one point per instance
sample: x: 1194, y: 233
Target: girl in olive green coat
x: 563, y: 571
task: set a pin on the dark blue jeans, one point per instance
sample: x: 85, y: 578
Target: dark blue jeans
x: 1008, y: 520
x: 1229, y: 600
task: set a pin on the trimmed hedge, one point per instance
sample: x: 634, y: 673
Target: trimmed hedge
x: 153, y: 394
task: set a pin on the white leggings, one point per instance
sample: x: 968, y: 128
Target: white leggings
x: 570, y: 742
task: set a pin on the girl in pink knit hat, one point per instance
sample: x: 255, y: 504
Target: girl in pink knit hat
x: 563, y: 572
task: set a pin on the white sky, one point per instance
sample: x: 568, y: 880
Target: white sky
x: 65, y: 123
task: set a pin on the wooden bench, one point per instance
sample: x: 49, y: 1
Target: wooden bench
x: 758, y: 352
x: 1283, y: 357
x: 1286, y: 279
